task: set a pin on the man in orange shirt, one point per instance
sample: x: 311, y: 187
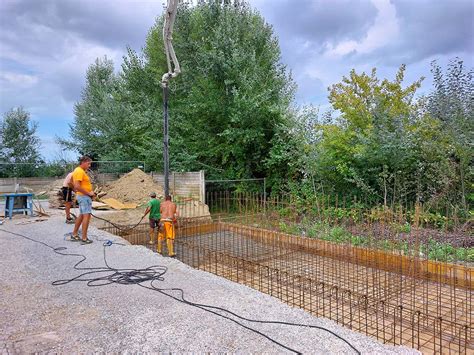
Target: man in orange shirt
x: 168, y: 213
x: 84, y: 192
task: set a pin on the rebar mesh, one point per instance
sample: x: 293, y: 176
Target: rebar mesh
x: 396, y: 298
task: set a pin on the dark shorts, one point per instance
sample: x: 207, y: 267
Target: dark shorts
x: 154, y: 222
x: 67, y: 194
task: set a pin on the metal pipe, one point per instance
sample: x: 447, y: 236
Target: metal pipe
x: 166, y: 141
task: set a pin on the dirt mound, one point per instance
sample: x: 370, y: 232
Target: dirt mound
x: 134, y: 187
x: 193, y: 209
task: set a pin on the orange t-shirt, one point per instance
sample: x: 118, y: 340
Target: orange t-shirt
x: 81, y: 176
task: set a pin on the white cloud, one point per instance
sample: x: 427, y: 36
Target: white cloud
x: 17, y: 80
x: 384, y: 30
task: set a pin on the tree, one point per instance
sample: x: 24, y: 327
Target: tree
x: 105, y: 126
x: 292, y: 154
x: 226, y: 107
x: 18, y: 140
x: 368, y: 146
x: 452, y: 104
x: 233, y: 94
x: 390, y: 148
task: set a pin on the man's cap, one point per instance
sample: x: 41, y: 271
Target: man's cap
x: 153, y: 194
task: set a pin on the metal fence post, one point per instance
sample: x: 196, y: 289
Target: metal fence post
x: 202, y: 186
x: 265, y: 196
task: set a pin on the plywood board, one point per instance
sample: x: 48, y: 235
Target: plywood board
x: 100, y: 206
x: 117, y: 205
x: 130, y: 206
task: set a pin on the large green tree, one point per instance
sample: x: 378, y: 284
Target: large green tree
x: 226, y: 107
x: 19, y: 142
x: 368, y: 144
x: 389, y: 147
x: 233, y: 94
x: 451, y: 104
x: 105, y: 126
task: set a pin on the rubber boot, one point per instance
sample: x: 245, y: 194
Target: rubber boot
x: 159, y: 245
x: 169, y: 244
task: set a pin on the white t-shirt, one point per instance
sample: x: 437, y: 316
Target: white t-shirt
x: 67, y: 180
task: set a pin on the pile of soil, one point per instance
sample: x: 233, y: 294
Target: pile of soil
x: 193, y: 209
x: 134, y: 187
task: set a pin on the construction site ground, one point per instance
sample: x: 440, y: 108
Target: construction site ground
x: 39, y: 317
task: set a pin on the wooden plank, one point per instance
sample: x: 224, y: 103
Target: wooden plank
x: 100, y: 206
x: 117, y: 205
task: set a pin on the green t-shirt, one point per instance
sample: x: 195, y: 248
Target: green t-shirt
x: 154, y: 205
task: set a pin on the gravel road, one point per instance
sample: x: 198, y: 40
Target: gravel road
x: 36, y: 316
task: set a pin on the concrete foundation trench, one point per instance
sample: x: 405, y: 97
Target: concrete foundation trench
x: 396, y: 299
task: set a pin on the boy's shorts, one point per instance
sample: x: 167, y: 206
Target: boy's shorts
x: 67, y: 194
x: 85, y: 204
x: 154, y: 222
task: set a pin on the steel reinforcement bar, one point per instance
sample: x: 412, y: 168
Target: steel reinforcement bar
x: 397, y: 299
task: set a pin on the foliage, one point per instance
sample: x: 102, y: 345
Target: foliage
x: 104, y: 125
x: 39, y: 169
x: 368, y: 148
x: 388, y: 148
x: 19, y: 143
x: 226, y: 107
x: 292, y: 152
x: 231, y: 113
x: 444, y: 252
x: 232, y: 102
x: 452, y: 105
x: 433, y: 250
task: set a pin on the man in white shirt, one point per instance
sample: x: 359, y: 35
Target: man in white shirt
x: 67, y: 196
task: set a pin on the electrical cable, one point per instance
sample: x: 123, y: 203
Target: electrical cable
x: 222, y: 309
x: 128, y: 276
x: 119, y: 227
x: 120, y: 276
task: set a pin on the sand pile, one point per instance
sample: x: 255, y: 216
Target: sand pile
x: 134, y: 187
x: 193, y: 209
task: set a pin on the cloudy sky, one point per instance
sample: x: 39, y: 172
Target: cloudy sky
x: 47, y: 45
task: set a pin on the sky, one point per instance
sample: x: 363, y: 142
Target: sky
x: 46, y: 46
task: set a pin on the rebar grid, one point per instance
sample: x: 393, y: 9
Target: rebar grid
x: 397, y: 299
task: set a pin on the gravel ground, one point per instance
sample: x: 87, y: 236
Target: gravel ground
x: 36, y: 316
